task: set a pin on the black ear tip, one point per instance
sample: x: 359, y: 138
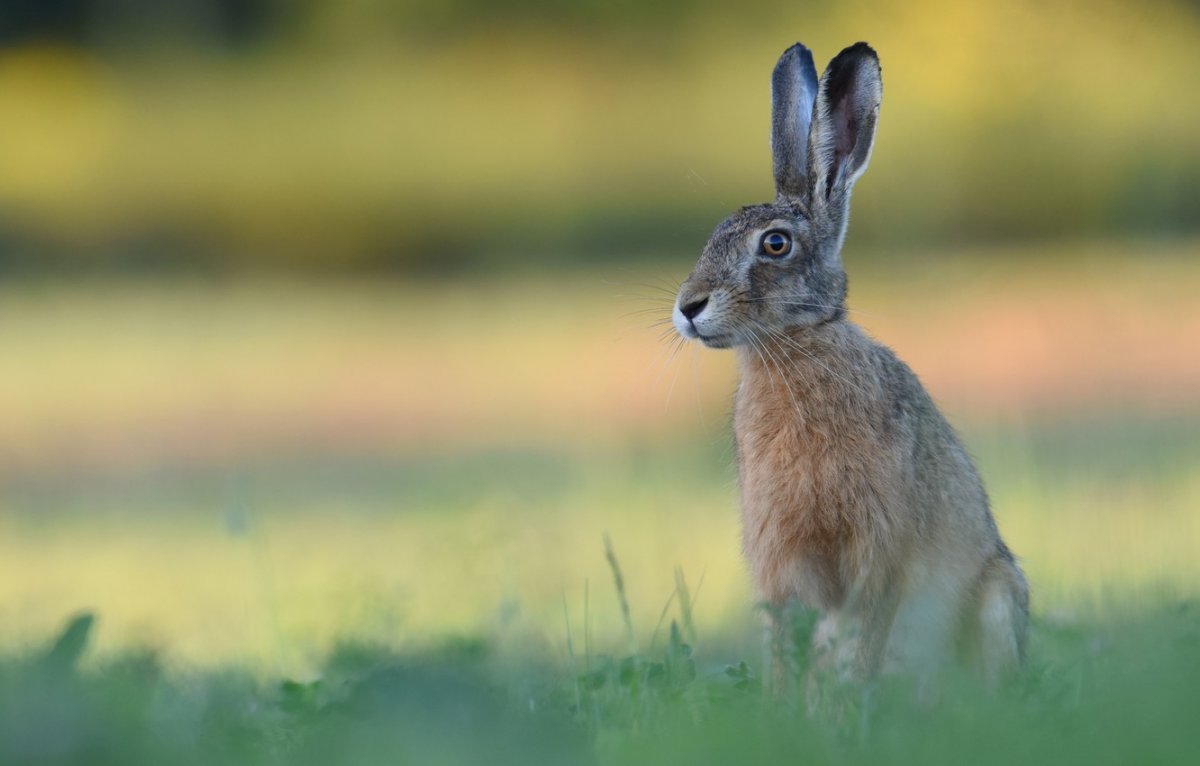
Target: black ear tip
x: 858, y: 51
x: 859, y: 57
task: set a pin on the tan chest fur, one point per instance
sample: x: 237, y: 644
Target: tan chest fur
x: 822, y: 494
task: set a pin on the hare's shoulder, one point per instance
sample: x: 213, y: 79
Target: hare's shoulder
x: 907, y: 401
x: 923, y: 441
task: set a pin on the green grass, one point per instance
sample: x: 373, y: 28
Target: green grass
x: 1118, y: 689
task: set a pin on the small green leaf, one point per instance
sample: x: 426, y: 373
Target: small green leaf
x: 656, y: 674
x: 628, y: 674
x: 594, y: 680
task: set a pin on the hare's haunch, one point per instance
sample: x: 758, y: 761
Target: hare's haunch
x: 858, y: 499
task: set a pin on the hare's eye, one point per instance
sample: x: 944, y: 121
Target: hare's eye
x: 775, y: 244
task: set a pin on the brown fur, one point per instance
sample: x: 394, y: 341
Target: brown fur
x: 858, y: 499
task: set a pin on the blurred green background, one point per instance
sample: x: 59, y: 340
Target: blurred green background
x: 327, y: 321
x: 415, y: 136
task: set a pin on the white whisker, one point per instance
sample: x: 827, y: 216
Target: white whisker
x: 791, y: 343
x: 783, y: 375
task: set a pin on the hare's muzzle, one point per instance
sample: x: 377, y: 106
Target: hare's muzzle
x: 689, y: 308
x: 693, y: 307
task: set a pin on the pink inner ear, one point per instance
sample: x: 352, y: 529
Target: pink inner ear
x: 845, y: 130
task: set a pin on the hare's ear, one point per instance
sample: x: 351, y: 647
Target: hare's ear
x: 844, y: 123
x: 793, y: 92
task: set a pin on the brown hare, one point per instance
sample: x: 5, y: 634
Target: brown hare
x: 858, y: 500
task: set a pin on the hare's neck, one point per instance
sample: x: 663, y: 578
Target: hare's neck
x: 811, y: 372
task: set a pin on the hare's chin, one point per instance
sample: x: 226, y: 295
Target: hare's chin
x: 716, y: 340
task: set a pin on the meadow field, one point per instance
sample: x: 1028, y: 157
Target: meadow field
x: 369, y: 518
x: 341, y: 421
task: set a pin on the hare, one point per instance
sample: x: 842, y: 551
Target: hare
x: 857, y: 498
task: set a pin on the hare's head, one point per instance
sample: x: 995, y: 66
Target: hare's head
x: 774, y: 267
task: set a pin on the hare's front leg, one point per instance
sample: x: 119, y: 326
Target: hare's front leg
x: 853, y: 639
x: 781, y: 648
x: 849, y: 646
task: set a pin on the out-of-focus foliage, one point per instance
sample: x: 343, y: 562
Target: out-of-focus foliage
x: 1115, y: 690
x: 449, y: 135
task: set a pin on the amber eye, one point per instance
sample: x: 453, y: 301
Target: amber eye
x: 775, y: 244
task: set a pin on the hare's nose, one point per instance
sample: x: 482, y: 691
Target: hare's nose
x: 692, y: 308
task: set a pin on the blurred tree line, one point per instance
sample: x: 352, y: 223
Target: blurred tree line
x: 426, y: 135
x: 99, y: 23
x: 233, y: 24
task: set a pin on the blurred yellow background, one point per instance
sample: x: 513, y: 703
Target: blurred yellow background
x: 445, y: 136
x: 338, y: 320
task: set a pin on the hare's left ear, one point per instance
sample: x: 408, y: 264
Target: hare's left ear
x: 793, y: 92
x: 843, y: 124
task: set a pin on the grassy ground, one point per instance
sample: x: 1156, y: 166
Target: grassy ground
x: 1117, y: 689
x: 365, y: 524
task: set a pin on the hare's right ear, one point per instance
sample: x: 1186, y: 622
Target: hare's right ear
x: 793, y: 92
x: 843, y: 127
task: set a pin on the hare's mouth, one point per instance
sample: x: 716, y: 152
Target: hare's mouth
x: 698, y: 324
x: 715, y: 340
